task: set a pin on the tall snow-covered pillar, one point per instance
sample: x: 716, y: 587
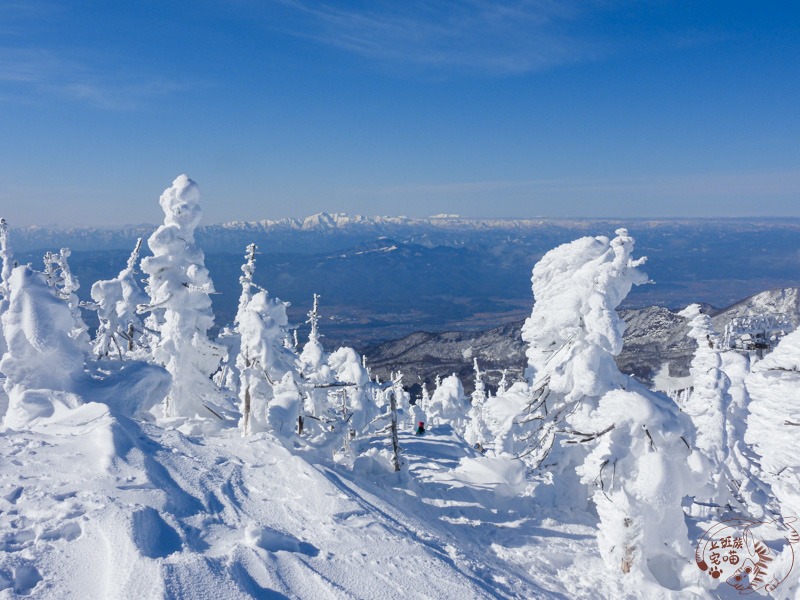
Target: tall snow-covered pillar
x: 179, y: 286
x: 773, y: 427
x: 5, y: 275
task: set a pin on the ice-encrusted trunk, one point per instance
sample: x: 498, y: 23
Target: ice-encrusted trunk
x: 396, y: 462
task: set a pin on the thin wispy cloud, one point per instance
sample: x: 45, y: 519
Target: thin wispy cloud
x: 498, y: 37
x: 31, y: 71
x: 756, y: 183
x: 33, y: 68
x: 26, y: 65
x: 454, y: 188
x: 15, y: 14
x: 706, y: 184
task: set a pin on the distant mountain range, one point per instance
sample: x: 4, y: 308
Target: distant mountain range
x: 656, y: 343
x: 382, y: 278
x: 339, y: 230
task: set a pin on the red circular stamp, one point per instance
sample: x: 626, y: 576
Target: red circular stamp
x: 741, y: 553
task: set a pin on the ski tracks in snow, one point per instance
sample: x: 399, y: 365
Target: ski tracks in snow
x: 498, y: 542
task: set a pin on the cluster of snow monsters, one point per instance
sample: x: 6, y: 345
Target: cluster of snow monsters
x: 589, y: 435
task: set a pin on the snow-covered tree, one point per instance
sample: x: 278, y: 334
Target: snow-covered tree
x: 573, y: 334
x: 284, y: 410
x: 312, y: 358
x: 416, y: 413
x: 7, y: 258
x: 424, y: 401
x: 314, y: 368
x: 477, y: 430
x: 502, y: 385
x: 120, y: 331
x: 743, y: 462
x: 640, y: 468
x: 448, y: 405
x: 707, y: 404
x: 179, y: 286
x: 597, y: 432
x: 60, y: 277
x: 479, y: 393
x: 263, y: 358
x: 773, y: 426
x: 348, y: 369
x: 720, y: 423
x: 246, y: 280
x: 43, y: 361
x: 229, y: 338
x: 45, y: 369
x: 403, y: 401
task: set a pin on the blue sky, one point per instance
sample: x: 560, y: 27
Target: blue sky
x: 482, y: 108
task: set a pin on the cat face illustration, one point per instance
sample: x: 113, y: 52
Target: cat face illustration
x: 743, y: 578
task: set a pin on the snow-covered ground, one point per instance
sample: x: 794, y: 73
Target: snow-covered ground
x: 103, y: 506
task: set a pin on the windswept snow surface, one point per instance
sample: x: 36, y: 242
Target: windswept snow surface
x: 98, y: 505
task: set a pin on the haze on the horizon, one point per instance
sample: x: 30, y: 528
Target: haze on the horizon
x: 480, y: 108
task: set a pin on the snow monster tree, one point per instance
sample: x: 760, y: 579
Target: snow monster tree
x: 593, y: 433
x: 773, y: 426
x: 718, y: 407
x: 179, y: 287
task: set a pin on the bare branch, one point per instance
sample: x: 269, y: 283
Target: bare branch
x: 333, y: 385
x: 215, y: 413
x: 650, y: 437
x: 600, y: 475
x: 588, y: 437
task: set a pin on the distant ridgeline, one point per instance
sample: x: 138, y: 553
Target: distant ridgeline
x: 338, y: 231
x: 446, y: 272
x: 656, y: 339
